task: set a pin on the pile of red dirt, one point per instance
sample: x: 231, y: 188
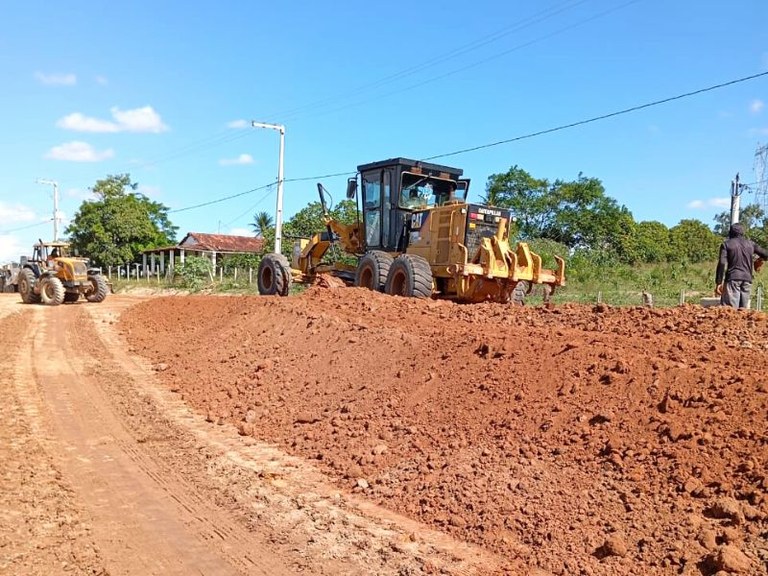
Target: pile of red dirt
x: 581, y: 440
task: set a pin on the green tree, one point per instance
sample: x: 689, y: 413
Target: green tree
x: 262, y: 221
x: 578, y: 213
x: 309, y: 220
x: 529, y: 199
x: 754, y: 219
x: 113, y: 229
x: 693, y: 241
x: 648, y: 243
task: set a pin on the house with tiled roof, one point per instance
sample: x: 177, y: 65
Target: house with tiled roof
x: 212, y: 246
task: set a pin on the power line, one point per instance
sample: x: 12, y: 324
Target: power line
x: 475, y: 64
x: 601, y: 117
x: 27, y: 227
x: 517, y: 26
x: 500, y: 142
x: 224, y: 199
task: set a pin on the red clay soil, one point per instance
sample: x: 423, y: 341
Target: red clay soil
x: 577, y: 440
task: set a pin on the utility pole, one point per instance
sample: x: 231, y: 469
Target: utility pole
x: 55, y: 206
x: 736, y: 190
x: 279, y: 209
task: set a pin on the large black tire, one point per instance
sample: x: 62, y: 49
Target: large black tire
x: 27, y: 283
x: 372, y: 270
x: 274, y: 275
x: 409, y: 276
x: 520, y: 291
x: 51, y: 291
x: 98, y: 291
x: 70, y: 297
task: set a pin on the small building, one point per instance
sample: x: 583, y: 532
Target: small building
x: 212, y: 246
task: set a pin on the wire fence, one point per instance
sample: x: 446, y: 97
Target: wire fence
x: 224, y: 278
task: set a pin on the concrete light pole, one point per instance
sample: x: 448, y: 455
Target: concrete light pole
x: 55, y: 206
x: 279, y: 210
x: 736, y: 190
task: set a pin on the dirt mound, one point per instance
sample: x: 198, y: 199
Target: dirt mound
x: 587, y: 440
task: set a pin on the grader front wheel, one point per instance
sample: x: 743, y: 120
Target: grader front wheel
x: 274, y: 276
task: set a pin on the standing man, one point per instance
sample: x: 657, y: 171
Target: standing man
x: 733, y: 278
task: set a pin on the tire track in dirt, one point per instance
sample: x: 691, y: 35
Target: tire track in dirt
x: 146, y: 518
x: 331, y: 532
x: 43, y: 528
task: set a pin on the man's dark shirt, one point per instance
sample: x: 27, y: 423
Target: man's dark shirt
x: 736, y: 259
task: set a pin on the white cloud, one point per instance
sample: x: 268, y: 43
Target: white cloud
x: 102, y: 80
x: 148, y: 191
x: 709, y: 203
x: 15, y: 213
x: 78, y: 152
x: 56, y: 79
x: 10, y: 248
x: 756, y: 106
x: 239, y: 161
x: 79, y: 194
x: 136, y: 120
x: 240, y: 232
x: 237, y: 124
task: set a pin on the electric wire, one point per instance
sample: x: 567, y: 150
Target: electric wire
x: 500, y: 142
x: 27, y: 227
x: 459, y: 51
x: 224, y: 199
x: 601, y: 117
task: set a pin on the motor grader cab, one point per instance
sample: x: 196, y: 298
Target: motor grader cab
x: 418, y: 236
x: 52, y: 276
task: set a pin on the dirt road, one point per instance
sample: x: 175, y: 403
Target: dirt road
x: 349, y: 433
x: 105, y: 471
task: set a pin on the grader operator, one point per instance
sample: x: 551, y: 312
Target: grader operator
x: 417, y: 236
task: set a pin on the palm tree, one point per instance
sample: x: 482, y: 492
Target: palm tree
x: 262, y: 222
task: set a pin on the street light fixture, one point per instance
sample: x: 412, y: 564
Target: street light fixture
x: 279, y: 210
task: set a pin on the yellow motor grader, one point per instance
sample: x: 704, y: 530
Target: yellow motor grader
x: 52, y: 276
x: 416, y: 236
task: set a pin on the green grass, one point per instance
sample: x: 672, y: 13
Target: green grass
x: 616, y: 285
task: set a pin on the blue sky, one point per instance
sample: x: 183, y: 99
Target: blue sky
x: 165, y: 91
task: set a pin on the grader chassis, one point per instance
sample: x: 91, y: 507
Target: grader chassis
x: 416, y: 236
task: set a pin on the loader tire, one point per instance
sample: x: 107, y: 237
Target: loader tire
x: 409, y: 276
x: 27, y: 283
x: 372, y: 270
x: 51, y: 291
x: 98, y: 290
x: 274, y: 276
x: 520, y: 291
x: 70, y: 297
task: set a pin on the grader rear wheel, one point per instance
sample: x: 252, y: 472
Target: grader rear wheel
x: 409, y: 276
x: 520, y: 291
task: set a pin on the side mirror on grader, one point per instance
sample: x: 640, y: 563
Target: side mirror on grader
x: 417, y: 235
